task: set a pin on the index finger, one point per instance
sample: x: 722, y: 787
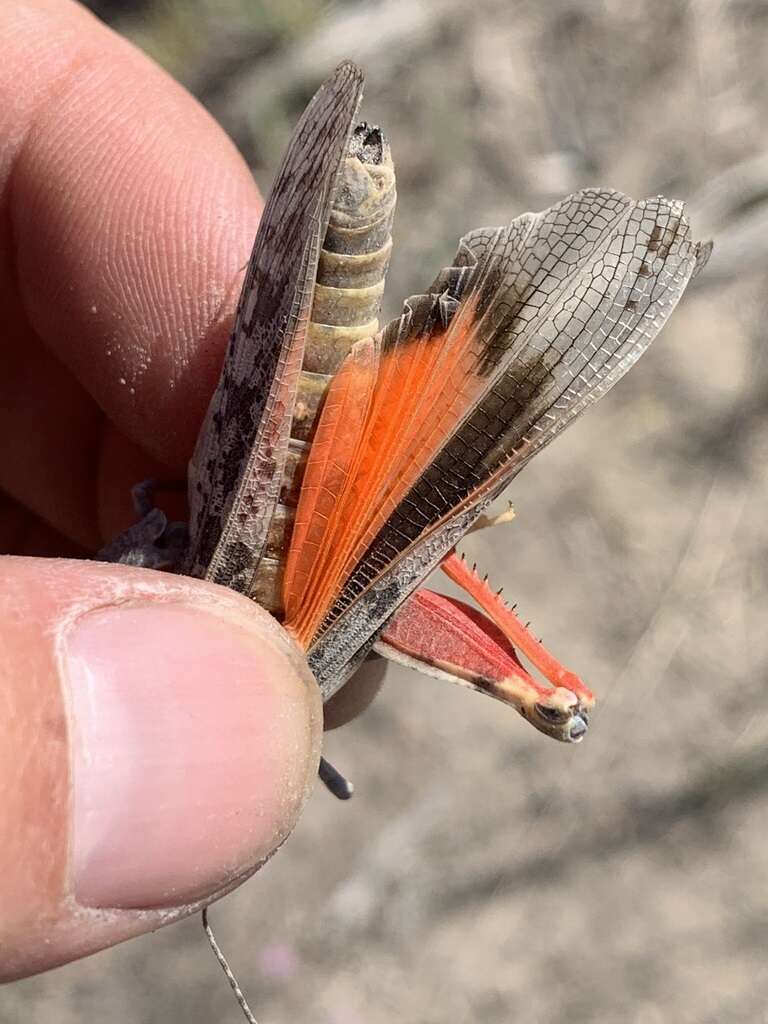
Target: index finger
x: 130, y: 215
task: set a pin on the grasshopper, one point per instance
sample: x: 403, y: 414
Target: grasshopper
x: 339, y: 464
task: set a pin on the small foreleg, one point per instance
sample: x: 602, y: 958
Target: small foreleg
x: 153, y: 542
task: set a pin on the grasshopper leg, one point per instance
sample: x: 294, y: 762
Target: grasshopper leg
x: 486, y: 521
x: 334, y: 781
x: 153, y: 542
x: 456, y: 569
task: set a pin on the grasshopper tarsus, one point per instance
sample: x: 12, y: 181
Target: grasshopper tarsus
x: 334, y: 781
x: 153, y: 542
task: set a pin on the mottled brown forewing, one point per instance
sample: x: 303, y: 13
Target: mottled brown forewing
x: 235, y: 473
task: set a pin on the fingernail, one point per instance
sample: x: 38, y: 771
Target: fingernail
x: 193, y: 748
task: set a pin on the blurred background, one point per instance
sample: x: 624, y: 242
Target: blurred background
x: 482, y: 872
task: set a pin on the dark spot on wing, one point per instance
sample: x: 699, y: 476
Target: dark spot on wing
x: 655, y: 238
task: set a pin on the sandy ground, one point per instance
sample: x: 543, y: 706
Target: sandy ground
x: 482, y: 872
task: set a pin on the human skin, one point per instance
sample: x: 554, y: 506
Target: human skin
x: 160, y: 734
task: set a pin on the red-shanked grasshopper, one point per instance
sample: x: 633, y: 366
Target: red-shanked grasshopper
x: 334, y: 524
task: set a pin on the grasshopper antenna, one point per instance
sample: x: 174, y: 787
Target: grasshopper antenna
x: 334, y: 781
x: 341, y: 788
x: 243, y: 1002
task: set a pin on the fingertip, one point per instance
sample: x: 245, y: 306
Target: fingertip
x: 131, y: 214
x: 191, y: 752
x: 165, y: 735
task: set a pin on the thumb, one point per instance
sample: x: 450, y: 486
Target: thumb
x: 160, y: 737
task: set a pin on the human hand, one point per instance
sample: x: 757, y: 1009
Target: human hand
x: 160, y: 734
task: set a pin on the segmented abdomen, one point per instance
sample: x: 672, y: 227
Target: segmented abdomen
x: 346, y: 305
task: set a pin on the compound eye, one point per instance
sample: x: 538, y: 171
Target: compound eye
x: 555, y: 716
